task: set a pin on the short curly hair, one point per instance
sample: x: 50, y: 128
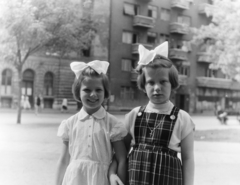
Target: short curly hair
x: 89, y: 72
x: 158, y: 62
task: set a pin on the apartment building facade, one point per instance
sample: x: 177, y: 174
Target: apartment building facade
x: 124, y: 24
x: 151, y: 22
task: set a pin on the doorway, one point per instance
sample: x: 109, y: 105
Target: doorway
x: 182, y: 101
x: 27, y: 85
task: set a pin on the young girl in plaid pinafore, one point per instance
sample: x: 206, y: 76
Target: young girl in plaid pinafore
x: 158, y: 130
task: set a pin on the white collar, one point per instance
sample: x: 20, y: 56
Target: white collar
x: 165, y: 108
x: 100, y: 114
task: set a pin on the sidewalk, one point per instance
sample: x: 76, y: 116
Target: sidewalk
x: 29, y: 152
x: 204, y: 121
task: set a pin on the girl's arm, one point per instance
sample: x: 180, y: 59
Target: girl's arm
x: 62, y: 163
x: 121, y: 156
x: 127, y: 141
x: 188, y: 159
x: 113, y: 178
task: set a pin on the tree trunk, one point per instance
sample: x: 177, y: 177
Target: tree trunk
x: 19, y: 115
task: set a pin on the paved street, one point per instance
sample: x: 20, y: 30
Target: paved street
x: 29, y: 152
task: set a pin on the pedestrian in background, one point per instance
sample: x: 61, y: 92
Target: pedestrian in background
x: 158, y: 130
x: 22, y: 101
x: 38, y: 104
x: 26, y: 103
x: 64, y: 106
x: 90, y: 136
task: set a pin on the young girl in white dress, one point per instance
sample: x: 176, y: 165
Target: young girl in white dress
x: 90, y: 136
x: 158, y: 130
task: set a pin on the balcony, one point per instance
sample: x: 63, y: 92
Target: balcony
x: 219, y: 83
x: 134, y: 76
x: 179, y: 28
x: 182, y: 79
x: 181, y: 4
x: 204, y: 57
x: 135, y: 47
x: 202, y: 8
x: 143, y: 21
x: 178, y: 54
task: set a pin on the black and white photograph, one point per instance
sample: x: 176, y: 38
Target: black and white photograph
x: 119, y: 92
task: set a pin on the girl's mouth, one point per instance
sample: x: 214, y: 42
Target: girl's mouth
x: 92, y: 101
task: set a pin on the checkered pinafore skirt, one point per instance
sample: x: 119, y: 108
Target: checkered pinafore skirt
x: 151, y: 162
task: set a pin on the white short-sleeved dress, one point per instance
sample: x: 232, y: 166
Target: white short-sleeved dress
x: 90, y: 138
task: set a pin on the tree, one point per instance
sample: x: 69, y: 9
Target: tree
x: 224, y: 32
x: 28, y: 26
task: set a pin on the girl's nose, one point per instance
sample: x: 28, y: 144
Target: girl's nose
x: 93, y: 94
x: 157, y: 87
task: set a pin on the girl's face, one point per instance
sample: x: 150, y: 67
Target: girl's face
x: 92, y: 94
x: 157, y: 87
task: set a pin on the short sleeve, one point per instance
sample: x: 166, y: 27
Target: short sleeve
x: 127, y: 122
x: 63, y: 131
x: 187, y: 125
x: 118, y: 132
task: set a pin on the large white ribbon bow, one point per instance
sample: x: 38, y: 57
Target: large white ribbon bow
x: 96, y: 65
x: 146, y: 56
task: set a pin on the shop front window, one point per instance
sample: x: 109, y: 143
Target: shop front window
x: 6, y: 88
x: 48, y: 84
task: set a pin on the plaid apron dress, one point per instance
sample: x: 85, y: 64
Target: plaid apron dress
x: 151, y: 162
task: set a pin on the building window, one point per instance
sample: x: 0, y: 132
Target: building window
x: 186, y: 20
x: 130, y: 9
x: 6, y: 88
x: 151, y: 38
x: 129, y: 37
x: 211, y: 73
x: 48, y: 84
x: 163, y: 38
x: 86, y: 52
x: 127, y: 93
x: 134, y: 64
x: 126, y: 65
x: 152, y: 11
x: 183, y: 70
x: 165, y: 14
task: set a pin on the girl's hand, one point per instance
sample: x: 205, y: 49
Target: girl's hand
x: 115, y: 180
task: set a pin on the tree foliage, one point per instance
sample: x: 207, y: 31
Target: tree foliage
x: 224, y: 32
x: 28, y: 26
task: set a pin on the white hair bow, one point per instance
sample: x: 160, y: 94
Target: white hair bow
x: 146, y: 56
x: 96, y: 65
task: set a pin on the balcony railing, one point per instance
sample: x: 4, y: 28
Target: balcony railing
x: 143, y: 21
x: 220, y: 83
x: 182, y: 4
x: 135, y: 47
x: 182, y: 79
x: 202, y: 7
x: 204, y: 57
x: 178, y: 54
x: 179, y: 28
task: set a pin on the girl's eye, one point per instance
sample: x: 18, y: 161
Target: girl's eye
x: 151, y: 83
x: 86, y: 90
x: 164, y: 82
x: 99, y: 90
